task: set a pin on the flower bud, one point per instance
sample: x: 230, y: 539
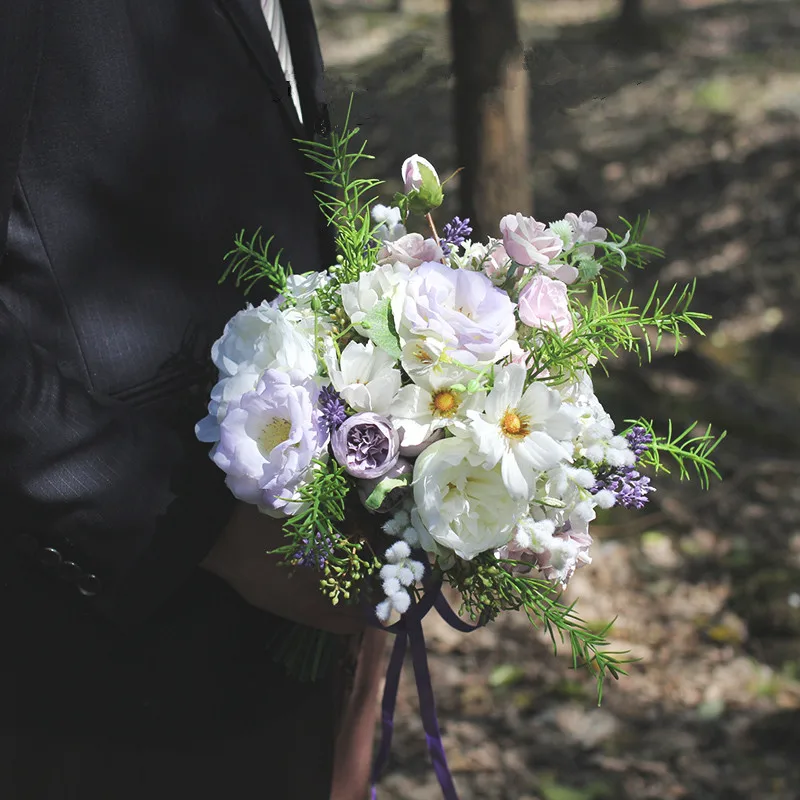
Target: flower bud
x: 422, y: 185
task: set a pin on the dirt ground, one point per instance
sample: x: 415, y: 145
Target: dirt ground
x: 696, y: 120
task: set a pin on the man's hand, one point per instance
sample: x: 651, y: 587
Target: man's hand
x: 240, y: 558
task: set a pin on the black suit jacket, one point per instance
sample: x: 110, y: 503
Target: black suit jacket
x: 137, y: 138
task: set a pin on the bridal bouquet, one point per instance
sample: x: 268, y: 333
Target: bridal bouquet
x: 446, y: 385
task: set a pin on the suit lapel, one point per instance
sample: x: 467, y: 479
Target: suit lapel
x: 248, y: 19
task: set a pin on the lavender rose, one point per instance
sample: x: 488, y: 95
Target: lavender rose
x: 462, y: 310
x: 366, y: 445
x: 543, y: 304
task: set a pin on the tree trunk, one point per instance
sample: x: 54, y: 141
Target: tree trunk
x: 491, y: 112
x: 631, y: 15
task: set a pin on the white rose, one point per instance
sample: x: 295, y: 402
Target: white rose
x: 463, y: 507
x: 263, y: 338
x: 361, y: 296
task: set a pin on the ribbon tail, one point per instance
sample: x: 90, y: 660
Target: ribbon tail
x: 452, y: 619
x: 427, y: 708
x: 387, y: 709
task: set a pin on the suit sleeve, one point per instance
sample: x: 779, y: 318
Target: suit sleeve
x: 118, y: 503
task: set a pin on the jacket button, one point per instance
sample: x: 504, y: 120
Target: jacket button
x: 89, y: 585
x: 70, y: 572
x: 49, y: 557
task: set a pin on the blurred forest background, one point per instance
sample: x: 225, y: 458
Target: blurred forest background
x: 688, y: 109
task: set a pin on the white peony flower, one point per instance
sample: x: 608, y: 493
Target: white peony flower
x: 460, y: 505
x: 521, y: 429
x: 365, y: 376
x: 263, y: 338
x: 361, y: 296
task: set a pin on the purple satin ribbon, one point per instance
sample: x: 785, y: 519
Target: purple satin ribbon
x: 409, y: 633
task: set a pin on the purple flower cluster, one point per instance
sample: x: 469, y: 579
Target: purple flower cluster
x: 455, y: 233
x: 639, y: 440
x: 630, y: 487
x: 315, y: 558
x: 332, y: 407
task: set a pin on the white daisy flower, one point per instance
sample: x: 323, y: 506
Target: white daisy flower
x: 522, y: 429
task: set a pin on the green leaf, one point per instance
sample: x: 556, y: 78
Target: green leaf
x: 380, y: 328
x: 505, y: 675
x: 380, y: 492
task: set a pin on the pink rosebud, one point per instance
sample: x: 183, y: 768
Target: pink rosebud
x: 411, y: 249
x: 527, y: 241
x: 543, y: 304
x: 413, y: 176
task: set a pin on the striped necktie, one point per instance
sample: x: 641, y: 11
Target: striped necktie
x: 277, y: 27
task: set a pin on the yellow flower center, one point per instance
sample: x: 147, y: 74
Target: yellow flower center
x: 275, y: 433
x: 445, y: 403
x: 514, y: 425
x: 422, y: 355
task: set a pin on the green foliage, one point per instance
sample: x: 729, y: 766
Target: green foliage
x: 315, y: 527
x: 379, y: 325
x: 489, y: 586
x: 607, y: 324
x: 345, y: 200
x: 689, y: 449
x: 249, y: 261
x: 313, y: 534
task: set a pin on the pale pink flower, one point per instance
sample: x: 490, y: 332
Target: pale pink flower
x: 495, y: 267
x: 528, y: 242
x: 411, y: 249
x: 543, y: 303
x: 585, y: 229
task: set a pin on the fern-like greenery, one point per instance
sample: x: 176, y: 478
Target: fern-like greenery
x: 689, y: 451
x: 249, y: 261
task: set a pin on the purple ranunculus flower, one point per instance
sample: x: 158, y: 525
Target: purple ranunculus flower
x: 460, y: 308
x: 366, y: 445
x: 268, y: 440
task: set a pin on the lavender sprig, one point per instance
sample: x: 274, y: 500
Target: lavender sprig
x: 628, y: 485
x: 454, y: 234
x: 332, y: 407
